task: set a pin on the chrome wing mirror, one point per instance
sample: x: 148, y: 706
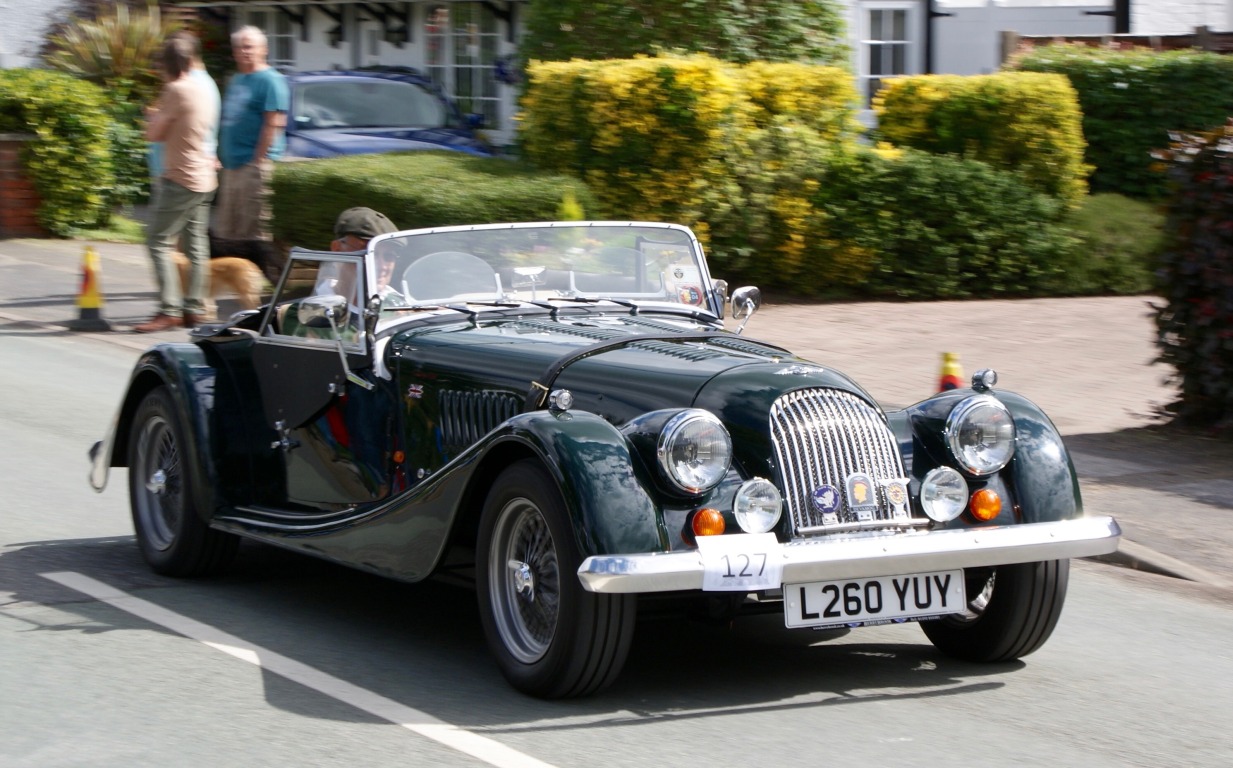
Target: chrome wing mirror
x: 745, y: 301
x: 327, y: 312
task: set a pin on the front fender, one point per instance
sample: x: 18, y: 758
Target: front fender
x: 595, y: 469
x: 1041, y: 473
x: 190, y: 379
x: 1044, y: 475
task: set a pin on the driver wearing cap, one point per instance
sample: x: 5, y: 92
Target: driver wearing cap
x: 352, y: 231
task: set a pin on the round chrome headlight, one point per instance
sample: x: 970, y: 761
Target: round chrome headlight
x: 981, y: 434
x: 757, y: 505
x: 694, y: 451
x: 943, y: 494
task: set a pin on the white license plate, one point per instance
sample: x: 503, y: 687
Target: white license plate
x: 876, y: 600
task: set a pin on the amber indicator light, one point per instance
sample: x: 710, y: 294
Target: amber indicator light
x: 985, y: 504
x: 708, y: 522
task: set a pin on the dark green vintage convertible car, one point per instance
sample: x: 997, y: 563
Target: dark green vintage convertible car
x: 558, y: 409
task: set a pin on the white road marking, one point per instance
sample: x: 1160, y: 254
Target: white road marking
x: 480, y: 747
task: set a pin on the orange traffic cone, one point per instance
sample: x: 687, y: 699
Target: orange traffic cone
x: 952, y: 373
x: 90, y: 297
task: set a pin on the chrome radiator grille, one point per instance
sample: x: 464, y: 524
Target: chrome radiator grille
x: 822, y: 437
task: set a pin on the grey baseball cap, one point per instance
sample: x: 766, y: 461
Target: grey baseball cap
x: 363, y: 222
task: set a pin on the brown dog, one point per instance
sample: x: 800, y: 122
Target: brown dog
x: 229, y: 275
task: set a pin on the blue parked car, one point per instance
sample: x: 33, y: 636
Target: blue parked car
x: 387, y: 109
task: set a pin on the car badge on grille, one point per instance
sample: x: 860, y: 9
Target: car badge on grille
x: 862, y: 497
x: 896, y: 492
x: 826, y: 500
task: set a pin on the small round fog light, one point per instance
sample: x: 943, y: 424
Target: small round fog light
x: 708, y: 522
x: 984, y: 380
x: 757, y: 506
x: 943, y: 494
x: 986, y: 504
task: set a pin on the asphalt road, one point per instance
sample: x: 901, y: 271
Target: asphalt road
x: 291, y: 661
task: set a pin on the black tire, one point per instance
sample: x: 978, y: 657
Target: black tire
x: 173, y: 537
x: 551, y: 638
x: 1012, y: 610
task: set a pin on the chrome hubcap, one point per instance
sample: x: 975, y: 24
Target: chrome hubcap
x: 524, y: 580
x: 157, y: 484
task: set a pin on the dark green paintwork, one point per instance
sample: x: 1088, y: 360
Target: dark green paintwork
x: 601, y: 453
x: 1040, y: 478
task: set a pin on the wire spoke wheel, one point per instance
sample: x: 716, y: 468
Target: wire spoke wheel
x: 173, y: 535
x: 525, y: 580
x: 550, y: 637
x: 158, y: 498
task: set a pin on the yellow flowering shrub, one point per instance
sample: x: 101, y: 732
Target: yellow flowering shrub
x: 1027, y: 122
x: 822, y: 98
x: 724, y: 148
x: 638, y: 131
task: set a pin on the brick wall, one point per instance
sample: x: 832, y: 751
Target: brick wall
x: 18, y: 199
x: 1202, y: 38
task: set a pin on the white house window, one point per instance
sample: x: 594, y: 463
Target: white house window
x: 279, y: 31
x: 888, y: 44
x: 462, y: 44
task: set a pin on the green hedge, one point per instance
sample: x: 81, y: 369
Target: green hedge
x: 1195, y: 323
x: 755, y: 214
x: 1120, y: 241
x: 70, y: 163
x: 762, y: 161
x: 415, y: 189
x: 1017, y: 121
x: 749, y: 30
x: 1132, y: 99
x: 926, y: 226
x: 836, y: 221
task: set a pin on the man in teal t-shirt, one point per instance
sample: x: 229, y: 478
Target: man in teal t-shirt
x: 251, y: 137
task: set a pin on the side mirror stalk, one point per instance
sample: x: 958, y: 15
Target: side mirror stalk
x: 745, y: 301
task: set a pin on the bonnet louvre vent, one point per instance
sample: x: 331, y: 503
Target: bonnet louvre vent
x: 468, y: 416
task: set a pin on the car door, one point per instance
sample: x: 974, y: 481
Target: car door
x: 313, y: 366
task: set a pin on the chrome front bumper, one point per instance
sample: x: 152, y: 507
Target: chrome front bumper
x: 827, y: 559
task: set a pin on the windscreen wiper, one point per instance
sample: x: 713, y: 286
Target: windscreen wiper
x: 632, y: 305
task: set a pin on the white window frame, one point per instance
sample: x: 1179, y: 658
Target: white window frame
x: 280, y: 32
x: 460, y: 57
x: 912, y: 43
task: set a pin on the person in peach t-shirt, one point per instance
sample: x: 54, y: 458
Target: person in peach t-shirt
x: 183, y: 121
